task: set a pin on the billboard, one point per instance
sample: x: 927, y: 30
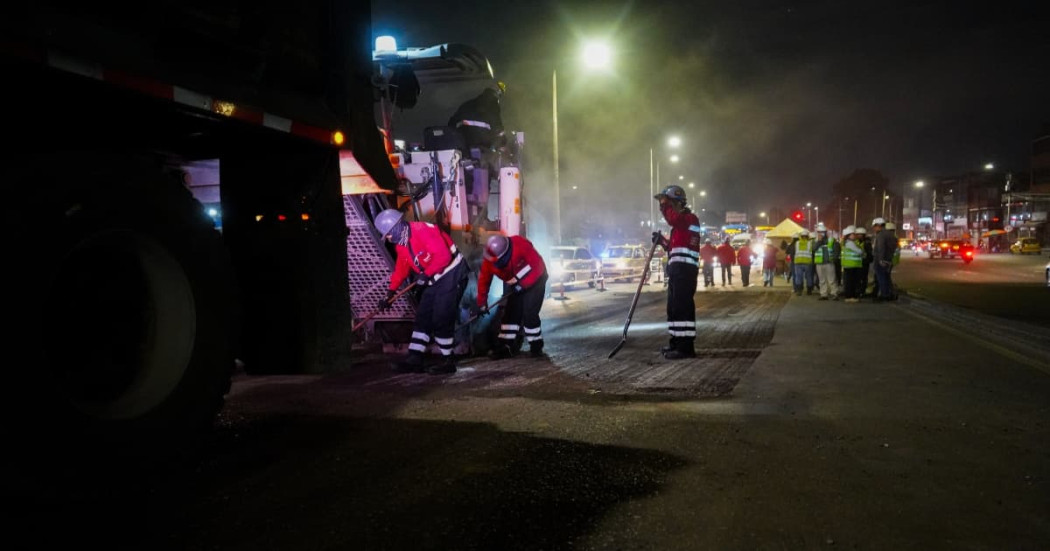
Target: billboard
x: 736, y: 217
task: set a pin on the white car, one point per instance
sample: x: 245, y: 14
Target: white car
x: 572, y: 264
x: 623, y: 262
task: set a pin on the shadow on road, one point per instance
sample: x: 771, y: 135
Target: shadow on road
x: 291, y: 482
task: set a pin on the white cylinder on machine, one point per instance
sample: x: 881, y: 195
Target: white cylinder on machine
x: 510, y: 201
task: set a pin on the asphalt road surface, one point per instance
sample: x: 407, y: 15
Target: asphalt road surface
x: 1004, y: 285
x: 800, y: 425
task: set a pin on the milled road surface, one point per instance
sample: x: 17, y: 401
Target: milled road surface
x: 801, y: 425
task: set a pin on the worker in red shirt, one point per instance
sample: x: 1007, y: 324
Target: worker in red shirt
x: 743, y: 259
x: 726, y: 259
x: 427, y: 254
x: 708, y: 253
x: 683, y: 265
x: 515, y: 261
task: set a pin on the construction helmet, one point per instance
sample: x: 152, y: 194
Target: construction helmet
x: 878, y: 221
x: 821, y: 227
x: 674, y: 193
x: 387, y: 220
x: 891, y: 226
x: 496, y: 247
x: 849, y: 230
x: 803, y: 233
x: 860, y: 231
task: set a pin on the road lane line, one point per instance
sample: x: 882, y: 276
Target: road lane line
x: 999, y: 349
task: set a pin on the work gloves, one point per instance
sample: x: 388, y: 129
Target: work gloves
x: 657, y: 237
x: 386, y: 302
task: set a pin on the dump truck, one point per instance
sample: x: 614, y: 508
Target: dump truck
x: 173, y: 203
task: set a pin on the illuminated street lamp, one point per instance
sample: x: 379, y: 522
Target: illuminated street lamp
x: 765, y: 215
x: 989, y: 166
x: 596, y: 56
x: 673, y: 141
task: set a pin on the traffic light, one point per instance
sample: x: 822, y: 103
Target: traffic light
x: 797, y: 216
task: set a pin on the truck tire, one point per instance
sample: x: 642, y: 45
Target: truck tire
x: 123, y: 300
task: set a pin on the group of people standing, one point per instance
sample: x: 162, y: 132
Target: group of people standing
x: 727, y: 257
x: 841, y: 268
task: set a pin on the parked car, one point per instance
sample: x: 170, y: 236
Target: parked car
x: 571, y: 264
x: 623, y: 262
x: 1026, y: 245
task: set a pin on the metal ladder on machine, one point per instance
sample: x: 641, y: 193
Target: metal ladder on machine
x: 368, y: 268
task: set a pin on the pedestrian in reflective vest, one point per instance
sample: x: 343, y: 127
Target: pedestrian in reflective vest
x: 825, y: 257
x: 683, y: 265
x: 803, y: 260
x: 852, y: 266
x: 427, y: 254
x: 515, y: 261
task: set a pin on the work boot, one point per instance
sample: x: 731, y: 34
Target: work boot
x: 413, y: 363
x: 501, y: 352
x: 809, y: 292
x: 447, y: 366
x: 823, y: 298
x: 680, y: 354
x: 536, y: 349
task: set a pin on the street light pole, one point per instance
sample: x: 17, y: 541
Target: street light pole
x: 652, y: 192
x: 556, y: 230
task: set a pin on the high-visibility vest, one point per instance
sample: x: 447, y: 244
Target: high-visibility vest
x: 804, y: 251
x: 896, y: 256
x: 825, y: 253
x: 852, y: 255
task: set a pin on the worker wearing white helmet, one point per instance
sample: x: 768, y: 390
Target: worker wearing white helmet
x: 865, y: 243
x: 884, y: 247
x: 803, y: 260
x: 427, y: 255
x: 853, y: 264
x: 825, y: 259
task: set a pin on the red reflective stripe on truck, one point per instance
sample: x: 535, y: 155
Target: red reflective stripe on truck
x: 23, y: 52
x: 148, y: 86
x: 311, y: 132
x: 158, y: 89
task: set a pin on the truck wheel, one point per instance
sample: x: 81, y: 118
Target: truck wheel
x: 123, y: 301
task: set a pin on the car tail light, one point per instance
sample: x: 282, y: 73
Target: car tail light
x: 969, y: 253
x: 944, y: 245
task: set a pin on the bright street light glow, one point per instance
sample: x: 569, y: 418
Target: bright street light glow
x: 809, y: 204
x: 920, y: 183
x: 762, y: 214
x: 703, y: 193
x: 674, y: 141
x: 674, y: 158
x: 597, y: 55
x: 681, y: 178
x: 989, y: 166
x: 691, y: 184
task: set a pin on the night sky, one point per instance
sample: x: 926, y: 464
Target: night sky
x: 775, y: 101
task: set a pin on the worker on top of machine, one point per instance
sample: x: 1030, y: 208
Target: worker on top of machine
x: 478, y: 120
x: 683, y: 266
x: 429, y: 255
x: 515, y: 261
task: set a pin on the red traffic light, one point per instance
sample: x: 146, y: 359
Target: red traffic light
x: 797, y: 216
